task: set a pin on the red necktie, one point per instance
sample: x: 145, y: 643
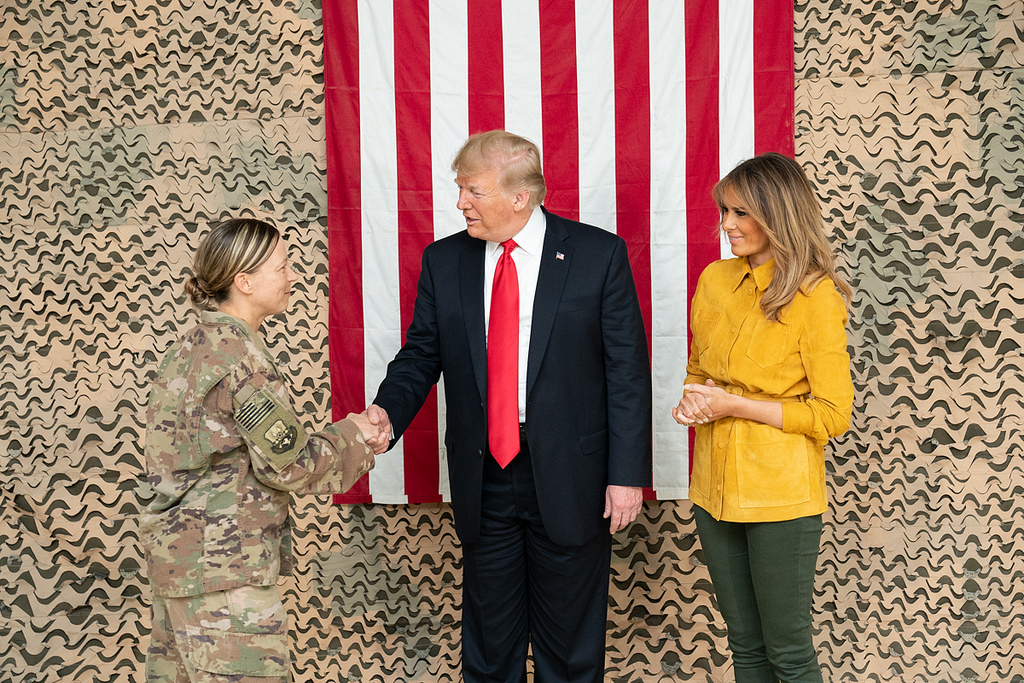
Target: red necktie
x: 503, y: 360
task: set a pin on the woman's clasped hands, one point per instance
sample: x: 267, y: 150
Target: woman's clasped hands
x: 701, y: 403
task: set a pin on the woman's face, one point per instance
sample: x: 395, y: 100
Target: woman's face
x: 272, y: 282
x: 746, y: 237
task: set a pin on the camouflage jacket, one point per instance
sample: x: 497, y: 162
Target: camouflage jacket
x: 224, y: 449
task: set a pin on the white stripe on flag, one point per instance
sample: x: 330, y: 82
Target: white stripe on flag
x: 379, y: 174
x: 520, y: 29
x: 736, y: 88
x: 595, y: 75
x: 449, y: 126
x: 669, y: 296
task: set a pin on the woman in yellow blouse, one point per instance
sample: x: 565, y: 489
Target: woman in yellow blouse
x: 768, y: 382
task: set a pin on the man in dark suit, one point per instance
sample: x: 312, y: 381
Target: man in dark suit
x: 534, y: 322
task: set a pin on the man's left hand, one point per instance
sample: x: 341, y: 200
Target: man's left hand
x: 622, y: 505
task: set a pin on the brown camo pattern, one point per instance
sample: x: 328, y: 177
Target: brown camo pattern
x: 126, y: 128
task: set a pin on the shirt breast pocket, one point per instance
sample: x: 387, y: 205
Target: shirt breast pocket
x: 704, y: 324
x: 770, y: 343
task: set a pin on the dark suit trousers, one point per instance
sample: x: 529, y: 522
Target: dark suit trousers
x: 520, y: 588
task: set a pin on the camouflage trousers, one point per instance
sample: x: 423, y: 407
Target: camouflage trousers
x: 238, y: 635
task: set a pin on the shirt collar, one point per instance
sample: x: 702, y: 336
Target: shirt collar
x: 531, y: 238
x: 762, y: 275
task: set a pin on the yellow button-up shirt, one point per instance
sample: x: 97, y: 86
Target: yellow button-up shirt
x: 746, y: 471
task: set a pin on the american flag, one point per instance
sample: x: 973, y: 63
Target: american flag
x: 638, y: 106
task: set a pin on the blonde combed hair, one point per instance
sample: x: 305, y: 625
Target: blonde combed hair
x: 239, y: 245
x: 516, y: 159
x: 775, y: 191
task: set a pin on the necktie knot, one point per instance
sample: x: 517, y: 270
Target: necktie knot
x: 508, y: 246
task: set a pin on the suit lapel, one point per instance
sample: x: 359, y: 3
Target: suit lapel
x: 471, y: 278
x: 554, y: 267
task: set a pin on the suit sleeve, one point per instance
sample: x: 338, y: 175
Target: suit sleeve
x: 417, y: 367
x: 628, y: 376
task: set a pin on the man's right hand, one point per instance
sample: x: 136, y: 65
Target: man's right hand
x: 379, y: 418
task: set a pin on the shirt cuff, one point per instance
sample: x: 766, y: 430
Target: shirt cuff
x: 797, y: 418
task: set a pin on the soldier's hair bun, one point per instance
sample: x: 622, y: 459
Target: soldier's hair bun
x: 200, y: 294
x: 239, y: 245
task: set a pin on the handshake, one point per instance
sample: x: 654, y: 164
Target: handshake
x: 375, y: 426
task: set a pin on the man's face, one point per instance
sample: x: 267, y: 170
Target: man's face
x: 490, y: 214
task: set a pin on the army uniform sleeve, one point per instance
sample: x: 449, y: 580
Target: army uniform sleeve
x: 284, y: 456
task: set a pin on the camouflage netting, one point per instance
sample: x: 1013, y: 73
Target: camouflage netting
x: 125, y: 129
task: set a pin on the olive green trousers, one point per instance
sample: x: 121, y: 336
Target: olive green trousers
x: 763, y: 573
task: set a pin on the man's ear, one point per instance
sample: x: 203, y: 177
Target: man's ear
x: 521, y: 200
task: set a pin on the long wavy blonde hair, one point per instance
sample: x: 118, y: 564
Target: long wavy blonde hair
x: 776, y: 193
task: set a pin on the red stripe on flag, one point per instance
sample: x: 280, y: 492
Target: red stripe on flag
x: 633, y: 146
x: 344, y: 222
x: 415, y: 219
x: 774, y: 77
x: 702, y: 69
x: 633, y: 142
x: 560, y: 107
x: 485, y: 66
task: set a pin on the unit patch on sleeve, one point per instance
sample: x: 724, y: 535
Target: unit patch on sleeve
x: 269, y: 426
x: 281, y: 436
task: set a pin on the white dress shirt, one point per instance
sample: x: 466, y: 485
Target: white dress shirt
x: 526, y: 256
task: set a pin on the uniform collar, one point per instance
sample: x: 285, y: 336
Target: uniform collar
x: 762, y: 275
x: 219, y: 318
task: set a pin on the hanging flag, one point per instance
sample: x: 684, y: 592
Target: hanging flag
x: 638, y: 106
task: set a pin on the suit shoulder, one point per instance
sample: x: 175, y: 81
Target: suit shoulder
x: 450, y: 244
x: 587, y: 233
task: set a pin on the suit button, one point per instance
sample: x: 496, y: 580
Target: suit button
x: 480, y: 453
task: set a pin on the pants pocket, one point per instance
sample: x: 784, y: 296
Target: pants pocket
x: 240, y: 631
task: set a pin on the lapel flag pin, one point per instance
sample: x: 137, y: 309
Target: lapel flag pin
x: 560, y: 256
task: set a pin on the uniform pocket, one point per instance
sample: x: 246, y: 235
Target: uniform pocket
x: 173, y: 540
x: 239, y: 654
x: 772, y: 467
x: 240, y: 632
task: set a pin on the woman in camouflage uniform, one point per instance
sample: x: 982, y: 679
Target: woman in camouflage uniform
x: 224, y: 451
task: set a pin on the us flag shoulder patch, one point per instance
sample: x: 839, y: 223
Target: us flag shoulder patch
x: 253, y: 412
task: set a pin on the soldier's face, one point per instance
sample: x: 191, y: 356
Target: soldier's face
x: 272, y: 282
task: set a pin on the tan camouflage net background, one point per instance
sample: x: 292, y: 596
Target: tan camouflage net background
x: 125, y: 129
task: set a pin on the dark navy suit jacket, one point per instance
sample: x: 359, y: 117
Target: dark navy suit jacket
x: 588, y: 394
